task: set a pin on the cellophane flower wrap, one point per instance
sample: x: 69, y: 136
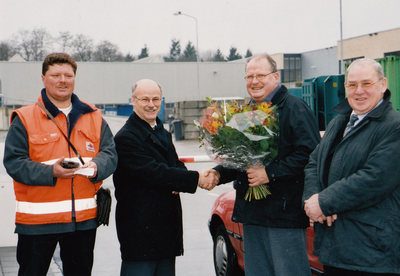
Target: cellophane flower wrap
x: 240, y: 137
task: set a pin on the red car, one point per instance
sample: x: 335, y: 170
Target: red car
x: 228, y: 239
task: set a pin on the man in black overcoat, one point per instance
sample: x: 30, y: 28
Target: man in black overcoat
x: 147, y: 181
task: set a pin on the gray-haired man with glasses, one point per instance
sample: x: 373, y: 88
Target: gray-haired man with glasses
x: 275, y: 227
x: 352, y: 188
x: 148, y: 180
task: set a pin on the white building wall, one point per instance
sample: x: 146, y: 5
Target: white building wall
x: 321, y: 62
x: 111, y: 83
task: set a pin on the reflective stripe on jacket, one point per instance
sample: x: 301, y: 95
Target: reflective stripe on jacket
x: 44, y: 204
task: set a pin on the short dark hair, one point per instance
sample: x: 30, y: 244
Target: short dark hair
x: 266, y: 56
x: 58, y: 58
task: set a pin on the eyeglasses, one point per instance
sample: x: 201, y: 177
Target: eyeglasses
x: 147, y: 101
x: 364, y: 85
x: 259, y: 76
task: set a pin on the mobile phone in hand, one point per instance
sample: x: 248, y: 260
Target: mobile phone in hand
x: 69, y: 164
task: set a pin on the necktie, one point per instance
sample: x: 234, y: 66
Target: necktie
x: 350, y: 125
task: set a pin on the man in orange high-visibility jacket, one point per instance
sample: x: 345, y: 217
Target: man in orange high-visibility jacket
x: 56, y: 204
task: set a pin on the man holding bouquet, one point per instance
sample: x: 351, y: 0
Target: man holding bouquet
x: 274, y: 227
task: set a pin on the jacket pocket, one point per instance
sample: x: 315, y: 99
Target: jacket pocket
x: 367, y: 243
x: 91, y: 135
x: 43, y: 139
x: 43, y: 145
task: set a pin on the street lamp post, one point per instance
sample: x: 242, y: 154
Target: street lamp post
x: 341, y: 41
x: 198, y: 52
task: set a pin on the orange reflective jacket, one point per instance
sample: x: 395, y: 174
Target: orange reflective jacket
x: 45, y: 204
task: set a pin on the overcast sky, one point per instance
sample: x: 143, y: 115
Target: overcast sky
x: 279, y: 26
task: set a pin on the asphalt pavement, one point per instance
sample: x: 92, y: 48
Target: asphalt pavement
x: 197, y: 259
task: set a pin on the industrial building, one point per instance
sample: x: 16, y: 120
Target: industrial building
x: 108, y: 84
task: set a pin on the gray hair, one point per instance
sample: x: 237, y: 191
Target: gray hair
x: 134, y: 87
x: 266, y: 56
x: 376, y: 65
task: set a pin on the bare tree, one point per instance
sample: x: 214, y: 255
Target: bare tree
x: 32, y: 45
x: 206, y: 56
x: 82, y: 47
x: 21, y: 40
x: 41, y: 42
x: 107, y: 52
x: 35, y: 44
x: 65, y: 39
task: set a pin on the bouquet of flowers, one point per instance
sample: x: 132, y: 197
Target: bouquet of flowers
x: 240, y: 137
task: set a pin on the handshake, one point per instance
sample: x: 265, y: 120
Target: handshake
x: 208, y: 179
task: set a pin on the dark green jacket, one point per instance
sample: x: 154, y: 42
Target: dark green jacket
x: 361, y: 186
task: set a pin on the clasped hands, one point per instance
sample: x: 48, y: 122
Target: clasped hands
x: 208, y: 179
x: 314, y: 212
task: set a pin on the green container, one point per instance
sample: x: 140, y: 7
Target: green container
x: 309, y: 94
x: 391, y: 70
x: 321, y: 94
x: 295, y: 91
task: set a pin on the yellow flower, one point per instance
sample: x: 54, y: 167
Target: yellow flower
x: 264, y: 107
x: 216, y: 124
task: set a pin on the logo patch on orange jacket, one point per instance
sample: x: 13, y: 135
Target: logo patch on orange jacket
x: 89, y: 146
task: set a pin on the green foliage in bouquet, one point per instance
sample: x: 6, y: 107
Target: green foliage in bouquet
x: 240, y: 137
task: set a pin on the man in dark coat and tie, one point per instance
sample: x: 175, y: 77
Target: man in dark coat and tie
x: 147, y: 181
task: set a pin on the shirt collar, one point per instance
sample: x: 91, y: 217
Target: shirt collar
x: 362, y: 116
x: 272, y: 94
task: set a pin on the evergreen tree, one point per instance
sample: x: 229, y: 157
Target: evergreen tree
x: 144, y: 53
x: 189, y: 54
x: 129, y: 58
x: 218, y: 56
x: 233, y: 55
x: 248, y: 53
x: 175, y: 51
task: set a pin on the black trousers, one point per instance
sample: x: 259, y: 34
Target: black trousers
x: 164, y: 267
x: 334, y: 271
x: 34, y: 253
